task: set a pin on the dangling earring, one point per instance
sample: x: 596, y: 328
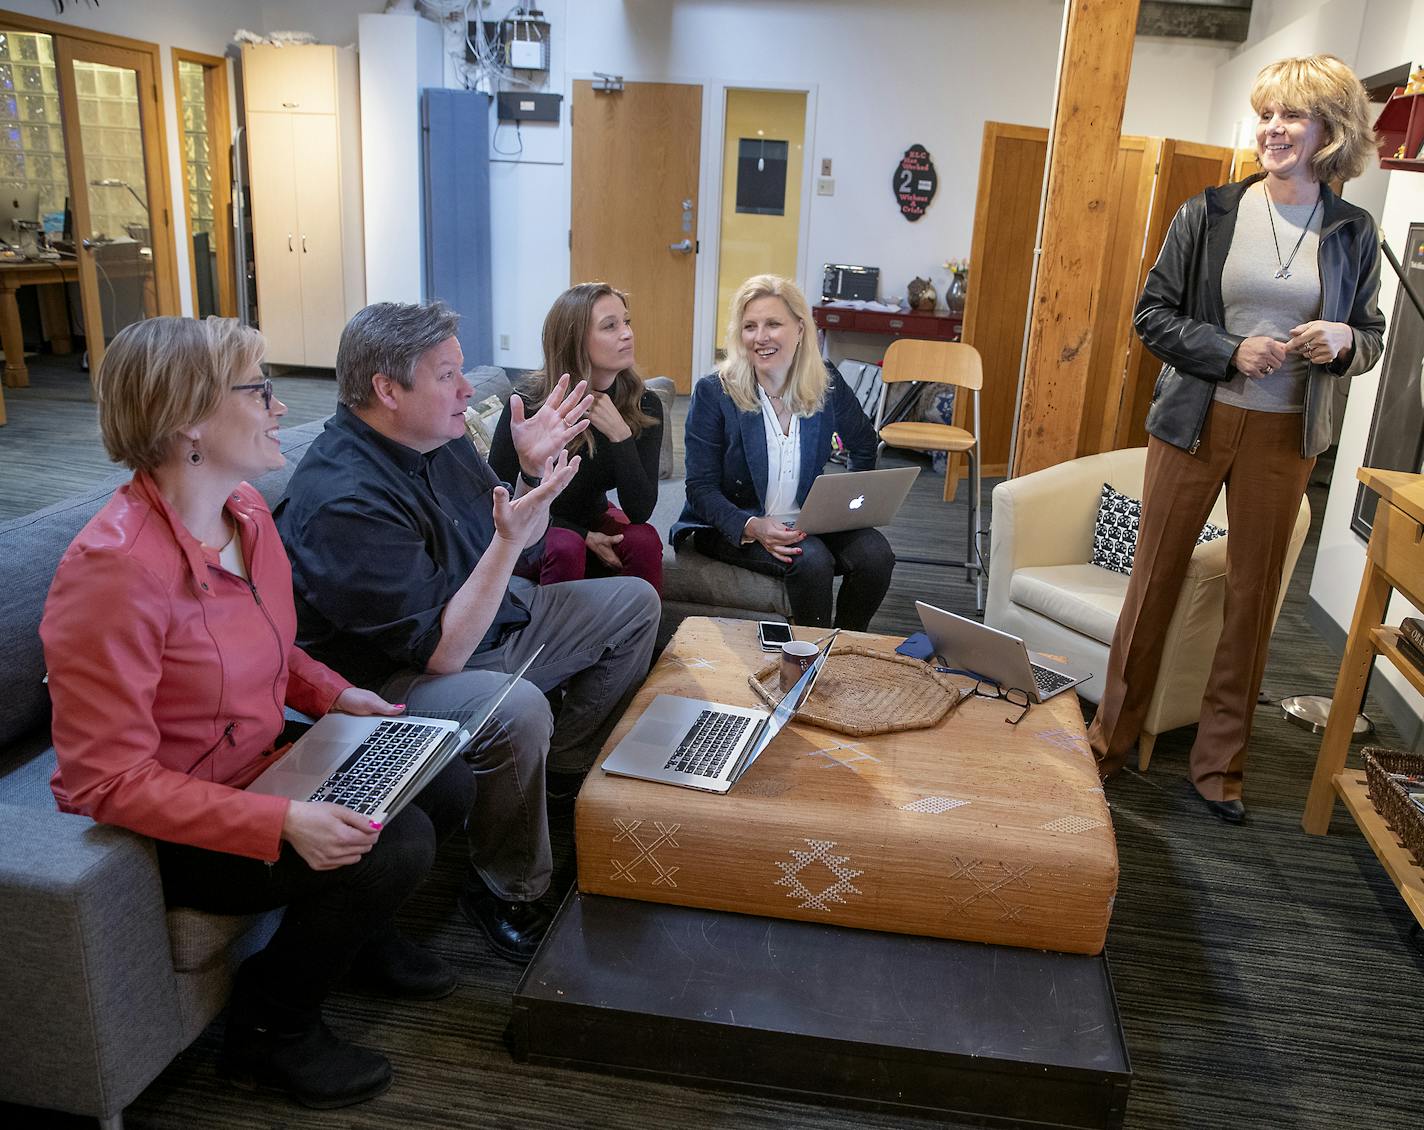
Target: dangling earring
x: 195, y: 457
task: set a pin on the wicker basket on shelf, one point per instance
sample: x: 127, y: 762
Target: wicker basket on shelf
x: 1391, y: 799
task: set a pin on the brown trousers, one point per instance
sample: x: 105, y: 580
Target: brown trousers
x: 1257, y: 456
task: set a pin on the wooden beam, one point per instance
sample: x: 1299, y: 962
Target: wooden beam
x: 1092, y: 86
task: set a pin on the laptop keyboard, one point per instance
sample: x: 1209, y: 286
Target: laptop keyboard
x: 1048, y: 682
x: 365, y: 779
x: 708, y: 744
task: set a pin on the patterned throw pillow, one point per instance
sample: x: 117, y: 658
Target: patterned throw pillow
x: 1115, y: 532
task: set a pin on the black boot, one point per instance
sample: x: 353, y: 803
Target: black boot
x: 392, y: 965
x: 289, y: 1048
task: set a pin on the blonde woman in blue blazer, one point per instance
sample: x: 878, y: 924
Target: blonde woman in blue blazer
x: 758, y: 433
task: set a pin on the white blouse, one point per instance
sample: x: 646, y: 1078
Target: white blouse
x: 783, y: 461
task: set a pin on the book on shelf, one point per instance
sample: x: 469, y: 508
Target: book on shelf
x: 1411, y: 640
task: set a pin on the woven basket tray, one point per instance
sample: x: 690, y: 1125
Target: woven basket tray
x: 1390, y: 798
x: 864, y: 692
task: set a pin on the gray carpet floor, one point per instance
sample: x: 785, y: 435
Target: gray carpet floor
x: 1265, y: 978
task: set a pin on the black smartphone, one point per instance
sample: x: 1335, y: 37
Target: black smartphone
x: 772, y: 634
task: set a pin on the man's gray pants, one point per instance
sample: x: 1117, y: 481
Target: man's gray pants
x: 598, y: 638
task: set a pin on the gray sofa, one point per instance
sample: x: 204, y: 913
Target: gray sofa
x: 101, y: 985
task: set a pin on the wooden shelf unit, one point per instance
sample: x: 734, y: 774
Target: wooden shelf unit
x: 1401, y: 123
x: 1395, y: 561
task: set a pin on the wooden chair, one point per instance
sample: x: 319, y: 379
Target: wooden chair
x: 940, y: 362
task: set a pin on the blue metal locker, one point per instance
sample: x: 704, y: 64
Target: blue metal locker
x: 455, y: 153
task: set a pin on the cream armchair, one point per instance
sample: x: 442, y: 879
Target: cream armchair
x: 1041, y: 586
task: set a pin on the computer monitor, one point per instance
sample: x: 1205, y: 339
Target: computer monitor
x: 17, y: 202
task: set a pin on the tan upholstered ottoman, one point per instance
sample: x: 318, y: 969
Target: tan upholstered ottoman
x: 974, y: 829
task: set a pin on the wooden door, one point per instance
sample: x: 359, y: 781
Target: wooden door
x: 319, y: 247
x: 1185, y: 169
x: 275, y: 230
x: 1129, y: 203
x: 201, y: 84
x: 128, y: 273
x: 1000, y: 274
x: 635, y: 167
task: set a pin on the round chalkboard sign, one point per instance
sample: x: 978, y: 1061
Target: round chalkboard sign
x: 915, y: 182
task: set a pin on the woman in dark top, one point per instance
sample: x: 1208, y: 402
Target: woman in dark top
x: 588, y: 334
x: 758, y: 433
x: 1264, y: 295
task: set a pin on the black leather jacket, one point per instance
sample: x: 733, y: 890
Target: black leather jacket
x: 1180, y: 316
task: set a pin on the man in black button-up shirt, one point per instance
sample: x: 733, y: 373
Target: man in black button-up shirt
x: 403, y: 544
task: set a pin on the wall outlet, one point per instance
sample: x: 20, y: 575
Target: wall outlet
x: 825, y: 186
x: 504, y: 342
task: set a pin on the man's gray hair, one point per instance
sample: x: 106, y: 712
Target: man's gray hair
x: 388, y: 337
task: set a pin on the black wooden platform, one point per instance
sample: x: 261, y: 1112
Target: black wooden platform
x: 825, y: 1014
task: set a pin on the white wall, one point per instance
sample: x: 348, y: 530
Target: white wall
x: 1168, y: 94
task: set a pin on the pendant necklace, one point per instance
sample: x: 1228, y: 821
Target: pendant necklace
x: 1283, y: 269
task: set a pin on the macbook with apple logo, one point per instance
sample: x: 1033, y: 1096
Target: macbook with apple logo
x: 853, y: 500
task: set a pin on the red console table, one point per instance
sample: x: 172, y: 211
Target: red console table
x: 939, y: 326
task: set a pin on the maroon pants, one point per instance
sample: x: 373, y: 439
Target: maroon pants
x: 568, y: 558
x: 1257, y: 456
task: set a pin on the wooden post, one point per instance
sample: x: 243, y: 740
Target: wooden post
x: 1092, y: 86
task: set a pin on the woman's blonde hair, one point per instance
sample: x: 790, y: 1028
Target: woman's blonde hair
x: 161, y: 376
x: 565, y: 339
x: 807, y: 381
x: 1326, y: 89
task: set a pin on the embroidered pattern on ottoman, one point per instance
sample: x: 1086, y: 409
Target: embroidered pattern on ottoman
x: 933, y: 804
x: 988, y: 878
x: 1072, y: 824
x: 846, y: 755
x: 628, y: 830
x: 836, y: 864
x: 1115, y: 531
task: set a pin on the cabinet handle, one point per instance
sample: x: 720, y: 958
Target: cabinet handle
x: 290, y: 105
x: 897, y: 323
x: 304, y: 243
x: 289, y: 242
x: 833, y: 319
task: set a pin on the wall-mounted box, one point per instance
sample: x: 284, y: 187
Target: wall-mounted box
x: 527, y: 106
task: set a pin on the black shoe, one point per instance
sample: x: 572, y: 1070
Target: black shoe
x: 1230, y: 811
x: 514, y: 929
x: 392, y: 965
x: 312, y: 1065
x: 561, y: 790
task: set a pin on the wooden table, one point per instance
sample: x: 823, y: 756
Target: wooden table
x: 53, y: 314
x: 971, y: 829
x: 1395, y: 560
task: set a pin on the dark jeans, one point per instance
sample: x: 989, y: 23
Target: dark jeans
x: 863, y: 557
x: 330, y: 914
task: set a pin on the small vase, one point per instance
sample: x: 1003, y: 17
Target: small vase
x: 954, y: 293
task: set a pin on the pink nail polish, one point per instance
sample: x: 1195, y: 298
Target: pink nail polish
x: 376, y: 825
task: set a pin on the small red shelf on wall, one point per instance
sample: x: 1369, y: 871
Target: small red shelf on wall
x: 1401, y: 124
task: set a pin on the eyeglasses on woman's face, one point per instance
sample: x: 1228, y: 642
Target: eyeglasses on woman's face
x: 1012, y: 695
x: 265, y: 387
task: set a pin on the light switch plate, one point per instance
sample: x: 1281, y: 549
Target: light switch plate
x: 826, y: 186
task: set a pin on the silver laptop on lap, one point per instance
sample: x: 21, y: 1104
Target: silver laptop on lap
x: 995, y: 656
x: 706, y: 745
x: 854, y: 500
x: 375, y: 765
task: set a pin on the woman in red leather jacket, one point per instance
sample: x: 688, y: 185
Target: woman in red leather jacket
x: 168, y: 634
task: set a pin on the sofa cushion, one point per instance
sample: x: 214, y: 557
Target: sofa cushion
x: 666, y: 392
x: 1085, y: 598
x: 1115, y: 531
x: 199, y: 939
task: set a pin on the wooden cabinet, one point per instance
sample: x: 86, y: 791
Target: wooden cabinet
x: 1395, y: 561
x: 304, y: 156
x: 938, y: 326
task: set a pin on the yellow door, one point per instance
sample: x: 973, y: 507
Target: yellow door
x: 635, y: 166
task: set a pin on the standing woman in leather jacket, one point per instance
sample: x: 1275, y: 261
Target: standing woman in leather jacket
x: 1264, y: 294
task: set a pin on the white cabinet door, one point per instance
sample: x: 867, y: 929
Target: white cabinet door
x: 299, y: 79
x: 319, y: 215
x: 275, y: 235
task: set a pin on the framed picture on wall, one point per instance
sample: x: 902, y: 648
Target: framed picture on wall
x: 1396, y: 440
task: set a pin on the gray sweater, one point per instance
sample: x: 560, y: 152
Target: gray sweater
x: 1258, y: 303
